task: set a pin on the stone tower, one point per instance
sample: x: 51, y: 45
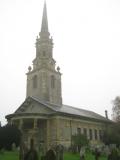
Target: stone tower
x: 44, y: 79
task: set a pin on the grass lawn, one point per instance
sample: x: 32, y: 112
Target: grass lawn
x: 67, y: 156
x: 70, y: 156
x: 9, y: 156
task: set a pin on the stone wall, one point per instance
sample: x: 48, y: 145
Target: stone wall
x: 61, y: 130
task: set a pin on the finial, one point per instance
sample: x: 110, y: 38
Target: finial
x: 58, y: 69
x: 29, y: 68
x: 37, y: 38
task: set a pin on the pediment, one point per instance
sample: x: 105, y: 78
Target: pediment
x: 32, y: 106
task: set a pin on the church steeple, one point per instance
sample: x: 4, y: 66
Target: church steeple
x: 44, y: 80
x: 44, y: 26
x: 44, y: 34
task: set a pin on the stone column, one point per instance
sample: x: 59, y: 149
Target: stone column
x: 20, y: 124
x: 98, y: 136
x: 9, y: 121
x: 71, y: 132
x: 88, y: 133
x: 35, y: 123
x: 47, y: 134
x: 57, y: 131
x: 93, y: 134
x: 82, y: 130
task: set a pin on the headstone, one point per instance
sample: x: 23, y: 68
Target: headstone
x: 2, y: 151
x: 22, y: 149
x: 106, y: 150
x: 13, y: 147
x: 82, y: 153
x: 97, y: 154
x: 32, y: 153
x: 59, y: 152
x: 50, y: 155
x: 21, y: 152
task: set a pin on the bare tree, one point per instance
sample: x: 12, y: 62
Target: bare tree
x: 116, y: 109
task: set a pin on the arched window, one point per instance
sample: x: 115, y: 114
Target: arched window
x: 52, y: 81
x: 35, y: 81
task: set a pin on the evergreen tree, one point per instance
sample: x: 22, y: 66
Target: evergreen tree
x: 79, y: 140
x: 9, y: 134
x: 112, y: 134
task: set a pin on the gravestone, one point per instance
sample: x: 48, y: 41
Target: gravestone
x: 22, y: 150
x: 13, y: 146
x: 59, y: 152
x: 50, y: 155
x: 32, y: 153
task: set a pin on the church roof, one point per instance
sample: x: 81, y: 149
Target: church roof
x: 66, y: 109
x: 53, y: 109
x: 79, y: 112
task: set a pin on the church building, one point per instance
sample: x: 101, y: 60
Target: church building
x: 42, y: 117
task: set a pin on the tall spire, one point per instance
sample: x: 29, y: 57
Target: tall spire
x: 44, y: 80
x: 44, y: 26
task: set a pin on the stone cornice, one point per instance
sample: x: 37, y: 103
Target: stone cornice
x: 73, y: 116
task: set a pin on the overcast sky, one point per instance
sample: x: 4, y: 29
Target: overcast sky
x: 86, y: 36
